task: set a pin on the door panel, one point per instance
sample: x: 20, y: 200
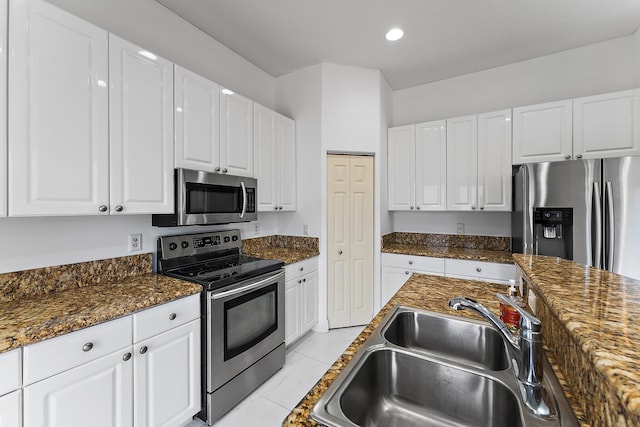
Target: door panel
x: 265, y: 162
x: 401, y: 167
x: 236, y: 134
x: 494, y: 161
x: 462, y: 163
x: 431, y: 166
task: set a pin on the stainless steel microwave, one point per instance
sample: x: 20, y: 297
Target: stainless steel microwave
x: 205, y: 198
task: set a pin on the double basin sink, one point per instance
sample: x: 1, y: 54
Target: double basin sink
x: 421, y: 368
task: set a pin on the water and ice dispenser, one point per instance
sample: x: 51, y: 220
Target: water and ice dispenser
x: 553, y: 232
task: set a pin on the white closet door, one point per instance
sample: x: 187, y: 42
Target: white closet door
x: 431, y: 166
x: 462, y: 163
x: 141, y: 130
x: 494, y: 161
x: 265, y: 146
x: 197, y: 121
x: 58, y: 112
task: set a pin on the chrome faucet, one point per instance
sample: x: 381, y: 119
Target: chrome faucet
x: 526, y: 350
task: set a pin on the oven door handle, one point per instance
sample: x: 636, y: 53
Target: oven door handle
x: 244, y: 199
x: 249, y: 287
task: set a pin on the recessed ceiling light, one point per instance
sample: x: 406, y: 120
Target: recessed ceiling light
x: 394, y: 34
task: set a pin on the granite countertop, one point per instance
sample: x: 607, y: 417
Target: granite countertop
x: 421, y: 291
x: 286, y: 255
x: 592, y: 316
x: 40, y: 317
x: 503, y: 257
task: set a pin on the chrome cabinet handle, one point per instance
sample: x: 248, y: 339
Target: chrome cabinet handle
x: 280, y: 207
x: 172, y: 316
x: 224, y: 170
x: 410, y: 207
x: 119, y: 208
x: 406, y: 272
x: 301, y: 268
x: 410, y: 262
x: 567, y: 157
x: 481, y: 208
x: 579, y: 156
x: 478, y: 269
x: 276, y: 208
x: 103, y: 208
x: 126, y: 356
x: 304, y: 280
x: 418, y: 207
x: 217, y: 169
x: 143, y: 349
x: 299, y: 281
x: 339, y: 252
x: 87, y: 347
x: 473, y: 207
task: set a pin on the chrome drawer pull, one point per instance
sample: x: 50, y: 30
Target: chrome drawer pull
x: 87, y: 347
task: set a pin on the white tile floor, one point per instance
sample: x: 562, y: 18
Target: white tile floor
x: 306, y: 361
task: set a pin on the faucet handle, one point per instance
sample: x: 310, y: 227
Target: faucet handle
x: 528, y: 322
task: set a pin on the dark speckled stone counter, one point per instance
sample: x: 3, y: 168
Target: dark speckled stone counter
x: 288, y: 249
x: 73, y: 297
x: 473, y: 248
x: 425, y: 292
x: 591, y: 326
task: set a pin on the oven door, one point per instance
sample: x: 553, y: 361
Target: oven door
x: 244, y: 323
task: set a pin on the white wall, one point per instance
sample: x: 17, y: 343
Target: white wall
x: 44, y: 241
x: 475, y: 223
x: 598, y: 68
x: 151, y: 25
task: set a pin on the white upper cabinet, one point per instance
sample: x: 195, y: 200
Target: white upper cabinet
x: 141, y: 129
x: 3, y: 108
x: 542, y: 133
x: 431, y: 166
x: 264, y: 138
x: 286, y: 164
x: 275, y: 160
x: 197, y: 121
x: 607, y: 125
x: 494, y: 161
x: 462, y: 163
x: 58, y: 113
x: 236, y: 134
x: 401, y: 161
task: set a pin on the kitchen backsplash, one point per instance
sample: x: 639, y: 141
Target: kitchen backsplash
x: 447, y: 240
x: 40, y: 281
x: 291, y: 242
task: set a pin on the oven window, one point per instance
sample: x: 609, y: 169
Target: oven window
x: 207, y: 198
x: 249, y: 319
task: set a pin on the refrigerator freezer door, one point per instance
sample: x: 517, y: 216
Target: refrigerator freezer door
x: 566, y: 184
x: 622, y: 235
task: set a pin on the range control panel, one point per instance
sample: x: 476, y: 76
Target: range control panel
x: 193, y: 244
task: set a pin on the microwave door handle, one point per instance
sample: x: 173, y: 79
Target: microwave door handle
x: 244, y: 199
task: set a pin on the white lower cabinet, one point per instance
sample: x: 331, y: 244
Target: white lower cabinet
x: 96, y: 377
x: 392, y: 280
x: 301, y: 298
x: 480, y: 270
x: 99, y: 393
x: 11, y: 409
x: 167, y: 377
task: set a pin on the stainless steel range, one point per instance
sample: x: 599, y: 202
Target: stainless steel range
x: 242, y: 311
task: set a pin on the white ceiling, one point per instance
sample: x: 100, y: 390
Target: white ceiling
x: 443, y: 38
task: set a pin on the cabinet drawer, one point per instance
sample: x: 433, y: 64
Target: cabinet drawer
x: 10, y: 371
x: 50, y: 357
x: 421, y: 263
x: 480, y: 269
x: 163, y: 317
x: 298, y: 269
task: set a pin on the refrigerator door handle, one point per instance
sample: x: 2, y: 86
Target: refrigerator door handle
x: 596, y: 226
x: 611, y: 236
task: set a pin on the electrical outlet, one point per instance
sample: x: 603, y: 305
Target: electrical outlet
x: 460, y: 228
x: 305, y: 229
x: 256, y: 228
x: 135, y: 242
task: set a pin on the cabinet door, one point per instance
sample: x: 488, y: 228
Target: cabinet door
x: 392, y: 280
x: 309, y: 296
x: 431, y: 166
x: 167, y: 377
x: 542, y: 133
x: 11, y: 409
x: 3, y: 108
x: 402, y: 168
x: 236, y: 134
x: 292, y: 311
x: 58, y: 113
x: 141, y: 130
x: 494, y: 161
x: 607, y: 125
x: 197, y: 121
x: 462, y: 163
x: 98, y: 393
x: 264, y: 144
x: 286, y: 164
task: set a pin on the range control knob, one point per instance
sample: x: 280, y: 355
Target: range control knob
x: 234, y: 238
x: 173, y: 246
x: 226, y: 239
x: 185, y: 244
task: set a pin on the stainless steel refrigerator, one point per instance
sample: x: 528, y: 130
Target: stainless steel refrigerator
x: 605, y: 197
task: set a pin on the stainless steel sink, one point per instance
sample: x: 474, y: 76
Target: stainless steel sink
x: 391, y: 387
x: 416, y: 370
x: 469, y: 342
